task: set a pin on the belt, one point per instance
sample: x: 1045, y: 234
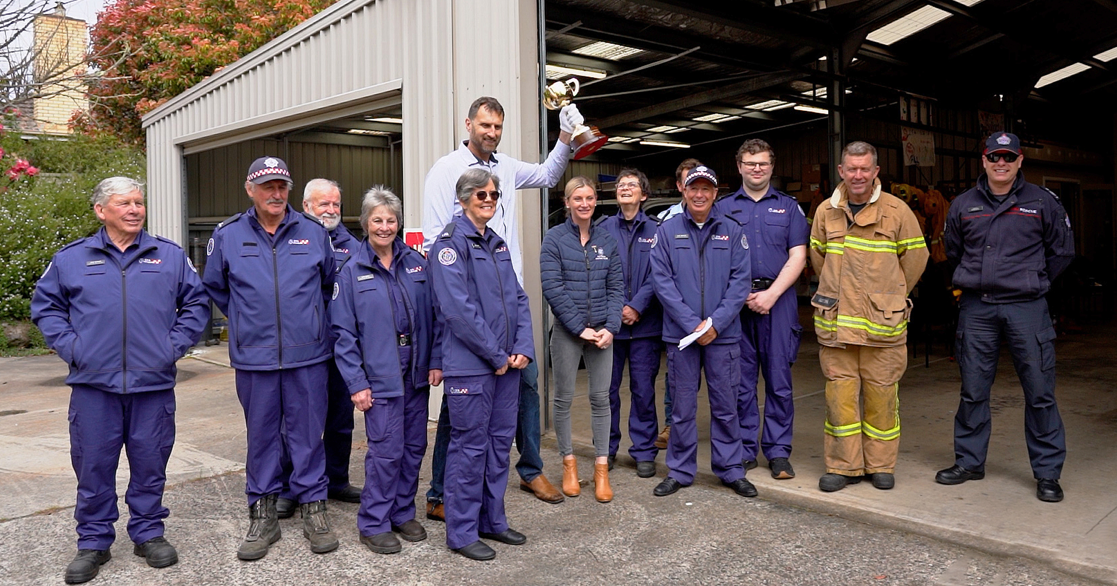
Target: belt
x: 403, y: 339
x: 762, y: 284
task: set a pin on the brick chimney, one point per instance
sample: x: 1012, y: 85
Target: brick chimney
x: 60, y: 44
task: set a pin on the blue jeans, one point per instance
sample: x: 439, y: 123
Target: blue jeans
x: 530, y: 464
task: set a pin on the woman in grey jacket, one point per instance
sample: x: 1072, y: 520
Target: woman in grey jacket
x: 584, y: 285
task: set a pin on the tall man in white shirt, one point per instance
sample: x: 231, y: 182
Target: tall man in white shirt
x: 440, y: 205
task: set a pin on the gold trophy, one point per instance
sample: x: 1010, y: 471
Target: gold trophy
x: 585, y: 139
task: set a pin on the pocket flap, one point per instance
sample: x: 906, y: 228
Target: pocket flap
x: 1045, y: 335
x: 888, y: 302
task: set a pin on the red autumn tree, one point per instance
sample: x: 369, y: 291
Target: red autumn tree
x: 170, y: 45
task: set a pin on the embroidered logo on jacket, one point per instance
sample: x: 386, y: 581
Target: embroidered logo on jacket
x: 301, y: 242
x: 151, y: 261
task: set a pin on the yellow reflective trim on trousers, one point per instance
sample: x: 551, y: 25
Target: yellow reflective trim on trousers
x: 870, y: 245
x: 842, y: 430
x: 883, y: 436
x: 859, y: 323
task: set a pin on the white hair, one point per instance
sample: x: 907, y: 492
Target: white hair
x: 114, y: 186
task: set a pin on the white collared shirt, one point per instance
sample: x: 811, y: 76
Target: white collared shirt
x: 440, y: 202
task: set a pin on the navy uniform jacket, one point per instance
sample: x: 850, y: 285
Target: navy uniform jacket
x: 485, y: 312
x: 701, y: 273
x: 121, y: 327
x: 774, y: 225
x: 273, y: 289
x: 345, y: 245
x: 582, y: 284
x: 1008, y: 251
x: 634, y: 243
x: 363, y: 321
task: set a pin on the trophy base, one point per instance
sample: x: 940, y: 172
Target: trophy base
x: 586, y: 141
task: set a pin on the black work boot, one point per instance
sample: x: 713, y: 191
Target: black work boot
x: 86, y: 565
x: 263, y: 529
x: 158, y: 552
x: 316, y: 527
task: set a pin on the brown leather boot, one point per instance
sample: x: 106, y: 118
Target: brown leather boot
x: 542, y: 489
x: 570, y: 485
x: 663, y: 438
x: 601, y: 489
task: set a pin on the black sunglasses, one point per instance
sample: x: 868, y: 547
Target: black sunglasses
x: 483, y: 195
x: 1008, y: 157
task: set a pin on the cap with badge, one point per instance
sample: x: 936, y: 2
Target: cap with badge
x: 1002, y: 142
x: 267, y: 169
x: 701, y: 172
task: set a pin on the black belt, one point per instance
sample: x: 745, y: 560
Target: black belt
x: 403, y: 339
x: 762, y: 284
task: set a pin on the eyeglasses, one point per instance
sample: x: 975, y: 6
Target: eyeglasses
x: 628, y: 185
x: 483, y: 195
x: 1008, y: 157
x: 758, y: 165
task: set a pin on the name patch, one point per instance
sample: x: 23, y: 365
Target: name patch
x: 94, y: 263
x: 365, y: 277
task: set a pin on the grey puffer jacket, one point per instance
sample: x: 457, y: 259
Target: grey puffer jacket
x: 584, y: 285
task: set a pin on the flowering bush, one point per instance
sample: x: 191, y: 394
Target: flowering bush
x: 46, y: 205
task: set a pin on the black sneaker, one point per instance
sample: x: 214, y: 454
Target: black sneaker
x: 781, y: 468
x: 86, y: 565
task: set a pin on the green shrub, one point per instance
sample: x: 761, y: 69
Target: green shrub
x: 41, y: 213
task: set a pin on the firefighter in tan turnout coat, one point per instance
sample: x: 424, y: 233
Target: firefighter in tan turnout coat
x: 869, y: 251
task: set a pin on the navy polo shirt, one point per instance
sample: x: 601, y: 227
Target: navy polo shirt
x: 774, y: 225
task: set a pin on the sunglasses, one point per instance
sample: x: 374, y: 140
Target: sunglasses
x: 483, y: 195
x: 1008, y: 157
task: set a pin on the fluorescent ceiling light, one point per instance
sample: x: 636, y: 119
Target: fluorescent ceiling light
x: 1063, y: 73
x: 622, y: 139
x: 765, y: 105
x: 1107, y: 55
x: 561, y: 71
x: 386, y: 120
x: 663, y: 128
x: 779, y: 106
x: 819, y: 92
x: 676, y: 131
x: 716, y: 118
x: 812, y: 109
x: 665, y: 143
x: 610, y: 51
x: 906, y: 26
x: 364, y: 132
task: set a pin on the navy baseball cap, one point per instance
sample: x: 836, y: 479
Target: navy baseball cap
x: 1002, y: 142
x: 266, y: 169
x: 701, y: 172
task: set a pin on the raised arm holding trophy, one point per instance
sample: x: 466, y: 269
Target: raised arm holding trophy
x: 584, y: 139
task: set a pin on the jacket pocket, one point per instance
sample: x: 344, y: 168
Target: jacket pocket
x: 825, y: 318
x: 888, y: 317
x: 1046, y: 339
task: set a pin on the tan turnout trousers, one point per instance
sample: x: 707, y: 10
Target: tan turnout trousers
x: 862, y: 408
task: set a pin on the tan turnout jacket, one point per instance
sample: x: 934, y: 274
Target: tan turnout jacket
x: 867, y: 266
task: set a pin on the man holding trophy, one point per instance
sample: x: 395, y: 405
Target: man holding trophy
x: 484, y: 125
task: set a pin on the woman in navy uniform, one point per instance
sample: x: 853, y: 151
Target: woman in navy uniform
x: 487, y: 341
x: 382, y: 315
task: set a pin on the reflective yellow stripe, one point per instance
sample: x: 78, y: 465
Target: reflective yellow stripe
x: 827, y: 247
x: 842, y: 430
x: 910, y: 243
x: 870, y: 245
x: 883, y: 436
x: 859, y: 323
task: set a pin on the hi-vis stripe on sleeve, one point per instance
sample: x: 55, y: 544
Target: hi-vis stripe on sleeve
x: 827, y: 247
x: 910, y: 244
x: 842, y: 430
x: 859, y: 323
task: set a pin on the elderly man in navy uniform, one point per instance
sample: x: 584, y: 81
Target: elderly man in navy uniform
x: 700, y: 271
x: 120, y: 307
x: 322, y: 199
x: 271, y: 271
x: 1007, y: 240
x: 770, y: 330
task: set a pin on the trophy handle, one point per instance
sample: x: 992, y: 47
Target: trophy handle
x: 573, y: 81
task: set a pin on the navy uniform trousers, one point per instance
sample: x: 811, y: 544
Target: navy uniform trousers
x: 1026, y: 327
x: 483, y: 411
x: 100, y: 423
x: 396, y: 428
x: 769, y: 345
x: 722, y: 365
x: 285, y: 409
x: 642, y: 355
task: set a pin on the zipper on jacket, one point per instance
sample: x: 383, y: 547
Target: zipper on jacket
x: 278, y: 318
x: 589, y: 289
x: 632, y: 236
x: 503, y: 305
x: 124, y: 346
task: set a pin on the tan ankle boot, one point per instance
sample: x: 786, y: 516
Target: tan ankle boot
x: 570, y: 478
x: 601, y: 489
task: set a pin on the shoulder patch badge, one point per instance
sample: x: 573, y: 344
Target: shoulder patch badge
x: 744, y: 242
x: 447, y: 256
x: 190, y: 264
x: 47, y: 270
x: 209, y: 247
x: 337, y: 290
